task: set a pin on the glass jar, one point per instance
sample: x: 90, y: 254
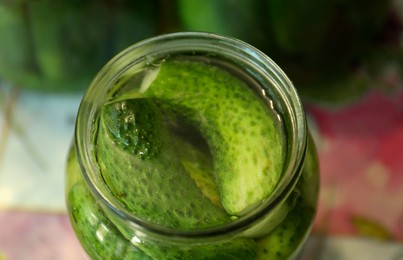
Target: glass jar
x: 276, y: 229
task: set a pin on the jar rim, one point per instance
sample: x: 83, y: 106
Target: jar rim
x: 161, y: 45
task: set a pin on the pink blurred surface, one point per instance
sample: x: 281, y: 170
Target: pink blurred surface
x: 29, y: 235
x: 361, y: 157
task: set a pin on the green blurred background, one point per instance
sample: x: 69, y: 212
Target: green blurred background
x: 333, y: 50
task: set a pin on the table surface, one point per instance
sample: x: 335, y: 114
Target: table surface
x: 360, y: 148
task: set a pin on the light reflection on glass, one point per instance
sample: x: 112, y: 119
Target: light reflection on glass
x: 135, y: 240
x: 101, y: 232
x: 93, y: 219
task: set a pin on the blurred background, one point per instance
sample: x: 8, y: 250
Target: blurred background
x: 345, y: 58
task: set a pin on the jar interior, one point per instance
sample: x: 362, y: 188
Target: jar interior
x: 132, y: 67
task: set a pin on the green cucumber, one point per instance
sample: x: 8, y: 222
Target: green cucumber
x: 195, y: 157
x: 243, y: 134
x: 280, y: 242
x: 89, y: 219
x: 137, y: 158
x: 236, y: 249
x: 95, y: 230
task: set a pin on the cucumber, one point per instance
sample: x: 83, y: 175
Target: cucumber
x: 89, y: 219
x: 236, y: 249
x: 138, y: 162
x: 195, y: 157
x: 280, y: 242
x: 243, y: 134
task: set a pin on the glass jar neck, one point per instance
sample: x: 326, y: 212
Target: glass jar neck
x: 271, y: 78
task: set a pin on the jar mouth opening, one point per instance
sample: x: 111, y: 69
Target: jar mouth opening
x: 238, y: 51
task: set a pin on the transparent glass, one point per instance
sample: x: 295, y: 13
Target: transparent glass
x: 276, y: 229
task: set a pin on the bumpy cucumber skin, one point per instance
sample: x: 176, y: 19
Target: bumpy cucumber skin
x: 278, y: 244
x: 88, y: 219
x: 138, y: 163
x: 237, y: 249
x: 115, y: 245
x: 91, y: 221
x: 245, y: 142
x: 281, y: 242
x: 200, y: 168
x: 141, y: 172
